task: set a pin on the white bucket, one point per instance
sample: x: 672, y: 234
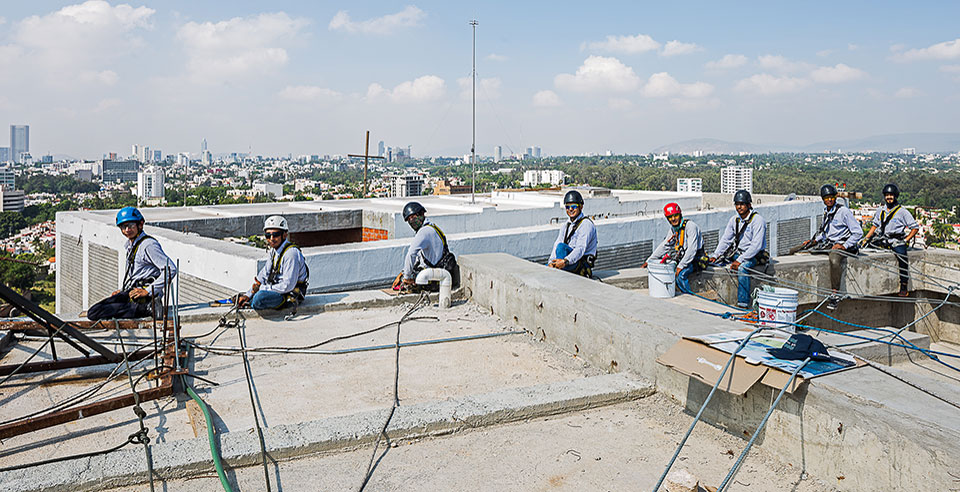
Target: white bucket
x: 661, y: 278
x: 777, y: 308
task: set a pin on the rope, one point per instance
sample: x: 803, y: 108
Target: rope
x: 763, y: 423
x: 696, y: 419
x: 143, y: 434
x: 135, y: 438
x: 374, y: 461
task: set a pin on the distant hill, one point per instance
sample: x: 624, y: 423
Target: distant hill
x: 924, y: 143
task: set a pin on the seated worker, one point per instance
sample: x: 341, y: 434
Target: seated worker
x: 743, y: 244
x: 428, y: 250
x: 148, y: 269
x: 889, y: 231
x: 839, y: 234
x: 283, y: 280
x: 683, y: 244
x: 575, y: 249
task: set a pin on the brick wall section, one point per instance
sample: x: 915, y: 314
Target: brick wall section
x: 370, y: 234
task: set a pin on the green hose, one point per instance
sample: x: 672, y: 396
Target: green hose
x: 213, y: 446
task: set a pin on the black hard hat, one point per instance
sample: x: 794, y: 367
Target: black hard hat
x: 891, y: 189
x: 412, y: 208
x: 827, y: 190
x: 742, y: 196
x: 573, y: 196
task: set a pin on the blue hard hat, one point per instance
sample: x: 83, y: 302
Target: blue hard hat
x: 129, y: 214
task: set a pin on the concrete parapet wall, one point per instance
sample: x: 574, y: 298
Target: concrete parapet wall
x: 876, y: 432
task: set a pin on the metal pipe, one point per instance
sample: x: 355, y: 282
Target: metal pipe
x: 359, y: 349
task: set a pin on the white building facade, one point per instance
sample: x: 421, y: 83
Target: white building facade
x: 736, y: 178
x: 689, y: 185
x: 535, y: 177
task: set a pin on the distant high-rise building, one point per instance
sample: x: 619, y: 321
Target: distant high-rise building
x: 689, y: 185
x: 183, y: 159
x: 402, y: 185
x: 150, y: 183
x: 529, y: 153
x: 536, y: 177
x: 112, y: 156
x: 19, y: 141
x: 203, y: 145
x: 7, y: 177
x: 206, y: 158
x: 134, y: 151
x: 46, y: 159
x: 497, y: 153
x: 157, y: 156
x: 120, y: 171
x: 380, y: 148
x: 736, y: 178
x: 909, y: 151
x: 5, y: 155
x: 536, y: 153
x: 11, y: 200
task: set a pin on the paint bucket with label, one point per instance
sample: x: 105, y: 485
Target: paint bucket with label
x: 777, y: 308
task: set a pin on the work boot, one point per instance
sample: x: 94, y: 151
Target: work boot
x: 903, y: 291
x: 833, y: 301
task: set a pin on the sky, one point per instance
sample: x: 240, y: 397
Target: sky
x: 278, y: 78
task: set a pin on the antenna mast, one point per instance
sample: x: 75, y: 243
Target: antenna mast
x: 473, y: 145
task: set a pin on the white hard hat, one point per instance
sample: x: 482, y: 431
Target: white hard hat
x: 275, y: 222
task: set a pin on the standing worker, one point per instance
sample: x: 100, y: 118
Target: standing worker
x: 429, y: 249
x: 839, y: 236
x: 283, y: 280
x: 743, y: 245
x: 575, y: 249
x: 889, y: 231
x: 148, y: 269
x: 683, y: 244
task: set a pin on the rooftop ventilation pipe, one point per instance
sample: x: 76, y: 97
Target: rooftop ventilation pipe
x: 441, y: 275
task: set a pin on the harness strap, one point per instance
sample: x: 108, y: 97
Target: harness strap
x: 131, y: 258
x: 446, y: 249
x: 885, y: 219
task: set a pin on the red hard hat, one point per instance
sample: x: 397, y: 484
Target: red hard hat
x: 670, y: 209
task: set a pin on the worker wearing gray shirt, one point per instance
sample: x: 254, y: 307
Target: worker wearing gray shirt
x: 148, y: 269
x: 839, y: 234
x: 283, y: 280
x: 743, y: 244
x: 683, y: 244
x: 427, y: 250
x: 575, y: 249
x: 893, y: 228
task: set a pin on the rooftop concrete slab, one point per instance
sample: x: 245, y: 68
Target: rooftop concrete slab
x: 912, y: 436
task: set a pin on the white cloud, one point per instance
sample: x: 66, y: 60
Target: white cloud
x: 422, y: 89
x: 309, y: 93
x: 408, y: 17
x: 619, y: 104
x: 546, y: 99
x: 78, y: 38
x: 106, y: 104
x: 105, y: 77
x: 239, y: 46
x: 664, y: 85
x: 623, y: 44
x: 599, y: 73
x: 9, y: 53
x: 497, y: 58
x: 728, y: 61
x: 768, y: 85
x: 853, y: 47
x: 837, y: 74
x: 782, y: 64
x: 950, y: 68
x: 695, y: 104
x: 946, y: 50
x: 486, y: 88
x: 907, y: 93
x: 3, y: 20
x: 673, y: 48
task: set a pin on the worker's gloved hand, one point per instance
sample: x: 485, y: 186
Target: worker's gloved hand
x: 398, y: 281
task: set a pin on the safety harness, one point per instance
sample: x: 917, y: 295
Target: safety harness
x: 128, y: 282
x: 447, y: 259
x: 273, y: 276
x: 734, y: 249
x: 827, y: 218
x: 679, y: 240
x: 584, y: 266
x: 885, y: 220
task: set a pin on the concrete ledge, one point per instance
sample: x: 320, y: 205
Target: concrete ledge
x: 240, y: 448
x: 876, y: 431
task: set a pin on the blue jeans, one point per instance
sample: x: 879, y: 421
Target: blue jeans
x: 743, y: 282
x: 267, y: 299
x: 683, y: 279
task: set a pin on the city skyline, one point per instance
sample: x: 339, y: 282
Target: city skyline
x: 299, y: 78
